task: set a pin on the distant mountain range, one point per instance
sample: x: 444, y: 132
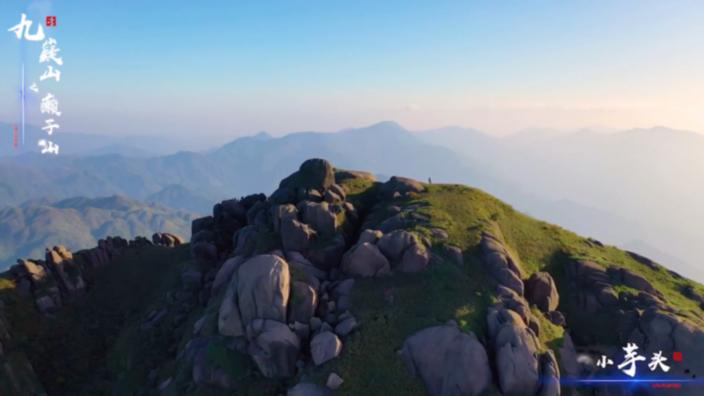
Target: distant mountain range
x: 73, y: 143
x: 78, y: 223
x: 639, y: 188
x: 240, y: 167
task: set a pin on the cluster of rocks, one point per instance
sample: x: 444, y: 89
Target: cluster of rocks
x: 664, y: 332
x: 271, y: 268
x: 280, y: 270
x: 539, y: 289
x: 377, y: 254
x: 398, y: 187
x: 592, y: 292
x: 166, y: 239
x: 284, y: 318
x: 63, y: 274
x: 521, y: 368
x: 278, y: 312
x: 641, y: 316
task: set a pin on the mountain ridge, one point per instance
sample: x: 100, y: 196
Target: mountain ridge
x: 339, y: 284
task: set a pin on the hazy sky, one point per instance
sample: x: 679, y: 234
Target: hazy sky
x: 231, y: 67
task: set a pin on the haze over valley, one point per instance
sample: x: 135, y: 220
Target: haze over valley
x: 639, y: 189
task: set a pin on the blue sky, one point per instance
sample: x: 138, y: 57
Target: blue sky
x: 231, y: 67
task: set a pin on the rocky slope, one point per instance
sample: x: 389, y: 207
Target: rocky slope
x: 338, y: 284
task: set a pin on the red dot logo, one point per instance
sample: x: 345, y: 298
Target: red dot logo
x: 677, y: 356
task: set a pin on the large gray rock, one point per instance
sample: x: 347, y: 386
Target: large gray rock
x: 327, y: 255
x: 337, y: 189
x: 281, y: 212
x: 297, y: 262
x: 296, y: 236
x: 60, y: 262
x: 450, y: 362
x: 303, y: 302
x: 401, y: 185
x: 365, y: 260
x: 259, y: 290
x: 415, y: 258
x: 371, y: 236
x: 549, y: 374
x: 201, y: 224
x: 541, y: 291
x: 319, y: 216
x: 332, y: 197
x: 229, y: 317
x: 313, y: 174
x: 395, y: 243
x: 516, y: 361
x: 395, y: 222
x: 515, y: 349
x: 568, y: 356
x: 263, y: 288
x: 273, y: 347
x: 334, y: 381
x: 668, y: 332
x: 325, y: 346
x: 500, y: 263
x: 346, y: 326
x: 632, y: 279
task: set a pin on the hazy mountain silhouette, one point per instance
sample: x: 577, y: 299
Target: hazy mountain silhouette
x: 639, y: 185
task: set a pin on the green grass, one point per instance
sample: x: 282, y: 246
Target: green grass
x: 369, y: 363
x: 551, y: 335
x: 392, y: 308
x: 540, y: 246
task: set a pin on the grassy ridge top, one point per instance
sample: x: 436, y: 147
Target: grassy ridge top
x: 392, y: 308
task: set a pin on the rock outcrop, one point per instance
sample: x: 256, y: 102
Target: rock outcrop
x: 166, y: 239
x: 541, y: 291
x: 62, y: 274
x: 443, y: 357
x: 400, y: 186
x: 258, y: 290
x: 365, y: 260
x: 325, y: 346
x: 500, y: 263
x: 520, y: 367
x: 273, y: 347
